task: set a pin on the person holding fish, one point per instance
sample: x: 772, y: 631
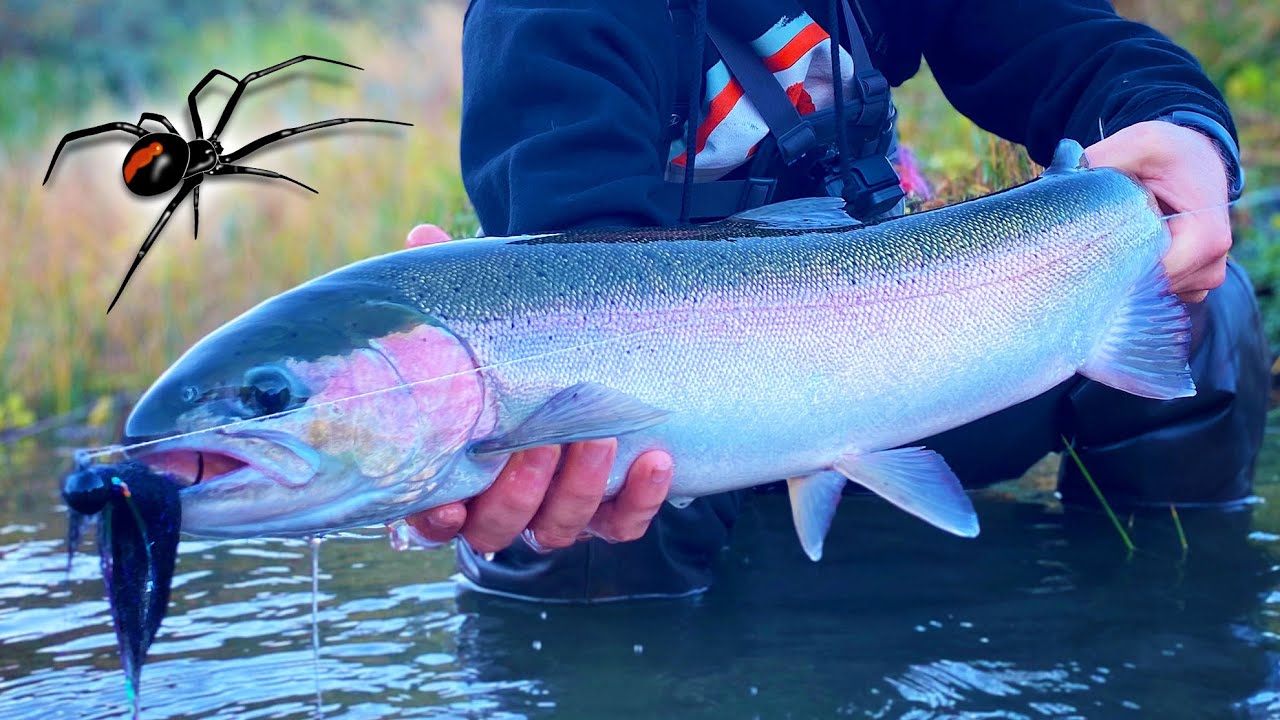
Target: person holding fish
x: 608, y: 99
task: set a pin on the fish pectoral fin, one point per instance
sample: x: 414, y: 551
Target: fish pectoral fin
x: 581, y: 412
x: 801, y: 214
x: 813, y: 504
x: 1067, y: 157
x: 1145, y: 350
x: 917, y: 480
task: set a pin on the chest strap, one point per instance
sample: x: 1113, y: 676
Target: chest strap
x: 797, y: 142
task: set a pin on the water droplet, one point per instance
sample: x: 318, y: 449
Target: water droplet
x: 404, y: 536
x: 536, y: 644
x: 398, y: 536
x: 637, y: 649
x: 983, y: 640
x: 543, y: 615
x: 753, y: 689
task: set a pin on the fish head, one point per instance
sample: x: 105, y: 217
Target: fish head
x: 329, y: 407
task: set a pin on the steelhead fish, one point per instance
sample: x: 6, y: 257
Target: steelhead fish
x: 786, y: 342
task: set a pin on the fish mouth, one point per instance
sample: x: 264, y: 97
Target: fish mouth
x: 192, y: 467
x: 221, y: 458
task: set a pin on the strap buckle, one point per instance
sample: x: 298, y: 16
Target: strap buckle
x: 874, y: 191
x: 756, y: 192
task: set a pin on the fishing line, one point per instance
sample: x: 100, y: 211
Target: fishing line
x: 142, y: 530
x: 1251, y: 200
x: 94, y: 453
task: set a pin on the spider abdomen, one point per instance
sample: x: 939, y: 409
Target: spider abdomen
x: 156, y: 163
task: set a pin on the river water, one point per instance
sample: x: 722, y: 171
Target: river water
x: 1043, y: 616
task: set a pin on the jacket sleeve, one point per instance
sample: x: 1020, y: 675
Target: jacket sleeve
x: 1035, y: 72
x: 564, y: 112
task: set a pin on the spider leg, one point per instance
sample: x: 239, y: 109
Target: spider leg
x: 246, y: 170
x: 195, y: 209
x: 276, y: 136
x: 160, y: 119
x: 186, y: 188
x: 96, y: 130
x: 240, y: 86
x: 191, y: 98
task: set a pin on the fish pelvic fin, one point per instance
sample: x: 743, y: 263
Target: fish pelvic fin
x: 1145, y: 350
x: 585, y: 411
x: 917, y: 480
x: 813, y: 504
x: 823, y: 213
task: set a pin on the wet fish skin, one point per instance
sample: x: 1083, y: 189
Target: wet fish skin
x: 783, y: 344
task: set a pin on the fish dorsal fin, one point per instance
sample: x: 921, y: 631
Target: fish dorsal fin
x: 1146, y: 348
x: 813, y: 505
x: 1067, y: 157
x: 918, y: 481
x: 580, y: 412
x: 823, y: 213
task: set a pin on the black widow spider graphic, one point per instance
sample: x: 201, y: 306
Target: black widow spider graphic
x: 159, y: 161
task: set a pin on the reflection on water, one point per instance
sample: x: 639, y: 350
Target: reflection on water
x: 1042, y: 616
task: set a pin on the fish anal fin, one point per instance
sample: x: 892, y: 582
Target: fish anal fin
x: 918, y: 481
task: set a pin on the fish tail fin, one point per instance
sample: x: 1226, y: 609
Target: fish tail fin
x: 1145, y: 350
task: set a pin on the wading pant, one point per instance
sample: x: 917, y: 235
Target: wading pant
x: 1196, y: 450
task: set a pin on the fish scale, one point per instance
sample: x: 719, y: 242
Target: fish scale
x: 708, y: 332
x: 785, y: 342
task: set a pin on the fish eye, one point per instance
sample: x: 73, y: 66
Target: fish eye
x: 190, y: 394
x: 267, y: 391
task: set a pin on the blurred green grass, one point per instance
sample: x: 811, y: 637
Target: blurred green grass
x: 66, y: 246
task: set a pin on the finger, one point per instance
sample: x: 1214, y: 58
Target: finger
x: 1138, y: 149
x: 496, y: 516
x: 627, y: 516
x: 1194, y: 287
x: 1198, y: 251
x: 575, y: 493
x: 426, y: 235
x: 1173, y: 162
x: 439, y: 524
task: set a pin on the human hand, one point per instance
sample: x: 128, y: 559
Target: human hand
x: 1185, y: 172
x: 553, y: 495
